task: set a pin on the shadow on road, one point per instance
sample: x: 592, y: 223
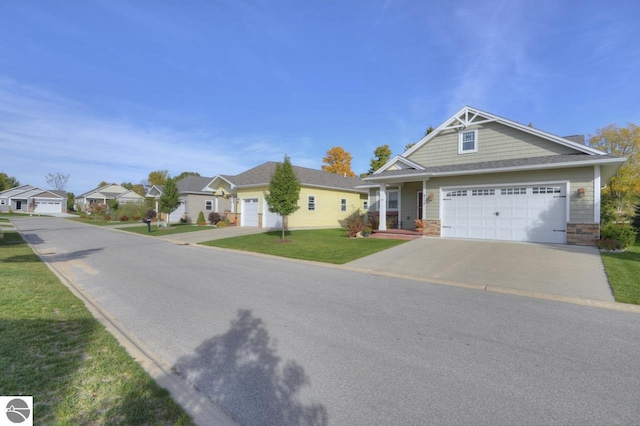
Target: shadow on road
x: 241, y: 371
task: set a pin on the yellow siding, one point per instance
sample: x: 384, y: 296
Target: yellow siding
x: 327, y: 213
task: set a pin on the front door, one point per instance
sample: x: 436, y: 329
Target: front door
x: 18, y: 205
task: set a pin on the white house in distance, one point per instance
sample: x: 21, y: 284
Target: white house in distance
x: 31, y: 199
x: 105, y: 193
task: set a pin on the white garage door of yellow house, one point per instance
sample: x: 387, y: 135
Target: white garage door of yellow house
x: 523, y: 213
x: 249, y: 214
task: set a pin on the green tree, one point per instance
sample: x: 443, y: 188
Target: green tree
x: 185, y: 174
x: 57, y: 181
x: 337, y: 160
x: 103, y: 183
x: 284, y: 191
x: 7, y: 182
x: 621, y: 142
x: 158, y: 177
x: 169, y: 200
x: 382, y: 155
x: 71, y: 202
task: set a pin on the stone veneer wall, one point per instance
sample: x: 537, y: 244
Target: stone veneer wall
x: 583, y: 234
x: 433, y: 228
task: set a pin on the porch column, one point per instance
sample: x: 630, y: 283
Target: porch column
x: 424, y: 200
x: 382, y: 204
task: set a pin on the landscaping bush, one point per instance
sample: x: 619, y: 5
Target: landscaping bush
x: 131, y: 209
x: 635, y: 221
x: 201, y: 220
x: 616, y: 236
x: 355, y: 223
x: 123, y: 218
x: 214, y: 218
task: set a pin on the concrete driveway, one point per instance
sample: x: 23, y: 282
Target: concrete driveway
x: 568, y: 271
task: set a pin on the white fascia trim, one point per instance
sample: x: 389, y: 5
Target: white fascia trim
x: 333, y: 188
x: 208, y: 187
x: 396, y: 159
x: 572, y: 164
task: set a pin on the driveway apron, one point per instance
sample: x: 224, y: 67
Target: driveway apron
x: 571, y: 271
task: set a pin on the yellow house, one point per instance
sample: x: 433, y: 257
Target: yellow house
x: 326, y: 199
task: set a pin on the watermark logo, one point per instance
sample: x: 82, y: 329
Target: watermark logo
x: 16, y: 410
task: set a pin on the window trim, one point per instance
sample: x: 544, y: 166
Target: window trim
x: 343, y: 204
x: 311, y: 205
x: 461, y: 134
x: 397, y: 200
x: 205, y: 205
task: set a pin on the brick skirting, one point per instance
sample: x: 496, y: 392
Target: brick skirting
x: 583, y: 234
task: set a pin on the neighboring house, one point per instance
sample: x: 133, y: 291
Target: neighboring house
x: 326, y: 199
x: 195, y: 198
x: 106, y: 193
x: 482, y: 176
x: 31, y: 199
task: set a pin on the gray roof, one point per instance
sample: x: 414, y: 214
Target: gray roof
x: 261, y: 176
x: 500, y: 164
x: 192, y: 184
x: 576, y: 138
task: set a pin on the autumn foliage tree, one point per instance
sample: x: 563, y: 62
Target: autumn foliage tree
x: 621, y: 142
x: 337, y: 160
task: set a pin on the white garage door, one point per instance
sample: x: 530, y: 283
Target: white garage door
x: 271, y: 220
x: 48, y: 207
x: 249, y: 214
x: 523, y: 213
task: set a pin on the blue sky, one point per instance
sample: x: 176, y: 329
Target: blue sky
x: 111, y: 90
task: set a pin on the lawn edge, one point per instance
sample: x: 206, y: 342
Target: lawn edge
x: 202, y: 410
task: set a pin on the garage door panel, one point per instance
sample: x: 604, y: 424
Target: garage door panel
x: 524, y: 214
x: 249, y: 215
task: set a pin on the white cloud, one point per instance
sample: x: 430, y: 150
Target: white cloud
x: 41, y: 132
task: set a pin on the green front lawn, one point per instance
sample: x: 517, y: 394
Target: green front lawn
x: 52, y: 348
x: 623, y: 271
x: 173, y: 229
x: 321, y: 245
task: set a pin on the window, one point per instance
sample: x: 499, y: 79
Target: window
x: 467, y: 141
x: 480, y: 192
x: 513, y: 191
x: 546, y: 190
x: 311, y: 202
x: 208, y: 205
x: 392, y: 200
x: 343, y: 204
x: 365, y: 205
x: 3, y: 202
x: 460, y: 193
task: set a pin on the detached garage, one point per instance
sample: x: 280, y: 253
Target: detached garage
x: 481, y: 176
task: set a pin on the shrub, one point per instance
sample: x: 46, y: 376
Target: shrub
x: 201, y: 220
x: 214, y: 218
x: 620, y: 236
x: 131, y: 210
x: 355, y: 223
x: 635, y: 221
x: 123, y: 218
x: 183, y: 220
x: 107, y: 217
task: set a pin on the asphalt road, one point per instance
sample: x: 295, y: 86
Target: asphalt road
x: 280, y: 342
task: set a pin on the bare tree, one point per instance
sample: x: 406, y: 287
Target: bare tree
x: 57, y: 181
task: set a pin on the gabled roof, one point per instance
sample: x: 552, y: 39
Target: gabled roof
x: 193, y: 184
x: 29, y: 191
x: 260, y: 176
x: 469, y: 116
x: 400, y: 166
x: 110, y: 191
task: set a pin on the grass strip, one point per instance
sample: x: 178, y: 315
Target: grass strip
x: 623, y: 271
x: 320, y: 245
x: 157, y: 231
x: 52, y: 348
